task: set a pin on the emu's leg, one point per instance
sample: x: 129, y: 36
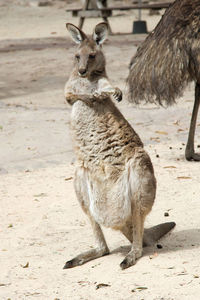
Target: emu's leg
x: 189, y: 152
x: 137, y: 234
x: 102, y: 248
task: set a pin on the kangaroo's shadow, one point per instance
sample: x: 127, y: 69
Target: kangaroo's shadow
x: 174, y: 241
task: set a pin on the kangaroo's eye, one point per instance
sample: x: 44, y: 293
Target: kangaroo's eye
x: 92, y: 56
x: 77, y: 56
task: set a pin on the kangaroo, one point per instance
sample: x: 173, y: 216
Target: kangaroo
x: 114, y: 178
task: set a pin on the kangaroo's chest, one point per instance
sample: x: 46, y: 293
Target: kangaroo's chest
x: 103, y: 139
x: 90, y: 131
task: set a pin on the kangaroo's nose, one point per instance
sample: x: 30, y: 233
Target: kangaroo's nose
x: 82, y: 71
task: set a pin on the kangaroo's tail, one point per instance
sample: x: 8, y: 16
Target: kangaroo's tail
x: 153, y: 234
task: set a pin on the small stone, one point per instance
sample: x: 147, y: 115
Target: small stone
x: 38, y: 3
x: 166, y: 214
x: 3, y: 171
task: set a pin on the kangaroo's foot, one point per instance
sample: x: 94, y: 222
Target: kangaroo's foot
x: 131, y: 258
x: 150, y: 237
x: 85, y: 257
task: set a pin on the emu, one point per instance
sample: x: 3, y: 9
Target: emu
x: 168, y: 60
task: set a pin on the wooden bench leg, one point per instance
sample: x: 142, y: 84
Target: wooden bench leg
x: 109, y: 27
x: 82, y: 19
x: 81, y: 22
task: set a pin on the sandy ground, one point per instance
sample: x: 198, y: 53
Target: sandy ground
x: 41, y: 223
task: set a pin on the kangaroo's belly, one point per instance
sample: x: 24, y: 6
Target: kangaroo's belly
x: 107, y: 201
x: 112, y: 200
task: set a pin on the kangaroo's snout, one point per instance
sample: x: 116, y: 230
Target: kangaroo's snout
x: 82, y: 72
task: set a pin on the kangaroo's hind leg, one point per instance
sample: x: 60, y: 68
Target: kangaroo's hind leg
x: 101, y: 249
x: 134, y: 233
x: 140, y: 189
x: 83, y: 197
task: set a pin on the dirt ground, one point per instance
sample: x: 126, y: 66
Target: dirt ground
x: 41, y: 223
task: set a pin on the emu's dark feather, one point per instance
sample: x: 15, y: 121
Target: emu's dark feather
x: 169, y: 58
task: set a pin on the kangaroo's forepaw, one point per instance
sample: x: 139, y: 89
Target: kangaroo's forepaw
x: 100, y: 96
x: 70, y: 98
x: 117, y: 94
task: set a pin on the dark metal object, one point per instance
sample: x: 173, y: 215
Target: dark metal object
x: 139, y: 27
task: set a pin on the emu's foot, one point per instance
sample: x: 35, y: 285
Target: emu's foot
x: 130, y: 259
x: 192, y: 156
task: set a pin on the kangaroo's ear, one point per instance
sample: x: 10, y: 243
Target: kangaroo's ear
x: 77, y: 35
x: 100, y: 33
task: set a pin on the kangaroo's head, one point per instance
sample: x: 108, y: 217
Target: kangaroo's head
x: 89, y: 58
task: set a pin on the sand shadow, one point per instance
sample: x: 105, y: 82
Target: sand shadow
x: 174, y: 241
